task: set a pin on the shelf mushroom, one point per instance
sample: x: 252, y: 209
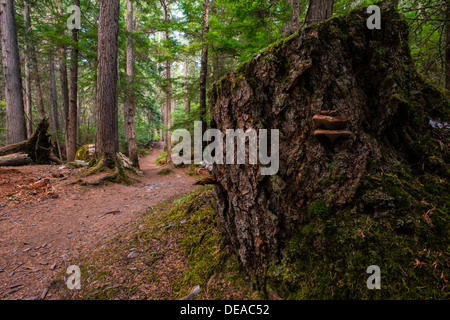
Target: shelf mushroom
x: 332, y: 135
x: 331, y: 126
x: 330, y: 122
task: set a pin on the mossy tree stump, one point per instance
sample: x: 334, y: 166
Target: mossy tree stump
x: 367, y: 75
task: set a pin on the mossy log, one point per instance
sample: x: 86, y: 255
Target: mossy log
x: 15, y: 160
x: 345, y: 69
x: 39, y: 146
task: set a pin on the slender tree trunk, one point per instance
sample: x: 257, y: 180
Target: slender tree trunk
x: 168, y: 92
x: 107, y: 144
x: 295, y: 22
x: 130, y: 124
x: 186, y: 99
x: 319, y: 10
x: 27, y: 98
x: 33, y: 56
x: 15, y: 118
x: 64, y: 82
x: 204, y: 64
x: 72, y: 123
x: 54, y: 104
x: 27, y: 62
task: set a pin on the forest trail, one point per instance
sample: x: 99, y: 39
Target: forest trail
x: 41, y: 234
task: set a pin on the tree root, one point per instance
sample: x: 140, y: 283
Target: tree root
x: 118, y: 174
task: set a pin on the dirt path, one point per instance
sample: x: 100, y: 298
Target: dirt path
x: 38, y: 238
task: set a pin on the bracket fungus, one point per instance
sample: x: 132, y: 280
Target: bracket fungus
x: 331, y: 126
x: 332, y: 135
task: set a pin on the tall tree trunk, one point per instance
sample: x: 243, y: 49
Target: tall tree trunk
x: 33, y: 56
x: 54, y: 104
x: 186, y: 100
x: 295, y: 22
x: 107, y: 144
x: 15, y: 118
x: 204, y: 65
x: 319, y: 10
x: 130, y: 124
x: 72, y: 123
x: 64, y: 82
x: 27, y: 62
x: 168, y: 91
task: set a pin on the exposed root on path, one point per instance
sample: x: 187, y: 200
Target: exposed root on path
x: 119, y: 173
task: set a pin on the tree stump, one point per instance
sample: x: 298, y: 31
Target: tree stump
x: 338, y: 67
x: 39, y: 146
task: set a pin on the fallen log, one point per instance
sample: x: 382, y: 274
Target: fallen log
x: 15, y: 160
x: 38, y: 147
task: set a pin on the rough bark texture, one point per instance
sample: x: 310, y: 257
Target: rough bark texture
x: 130, y: 124
x: 15, y: 119
x: 204, y: 65
x: 339, y: 65
x: 54, y: 98
x: 319, y: 10
x: 27, y: 80
x: 72, y: 122
x: 167, y: 92
x: 107, y: 144
x: 34, y: 60
x: 64, y: 81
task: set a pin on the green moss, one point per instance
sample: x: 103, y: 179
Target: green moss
x: 83, y: 153
x: 318, y: 209
x: 165, y: 172
x: 162, y: 156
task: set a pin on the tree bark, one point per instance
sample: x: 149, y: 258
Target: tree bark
x: 27, y: 80
x: 130, y: 124
x: 324, y: 70
x: 187, y: 100
x: 15, y: 119
x: 204, y: 65
x: 64, y: 83
x: 168, y: 91
x: 54, y: 97
x: 15, y: 160
x: 107, y: 144
x: 72, y: 123
x: 33, y: 56
x: 295, y: 22
x: 319, y: 10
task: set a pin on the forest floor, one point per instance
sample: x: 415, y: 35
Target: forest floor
x: 47, y: 220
